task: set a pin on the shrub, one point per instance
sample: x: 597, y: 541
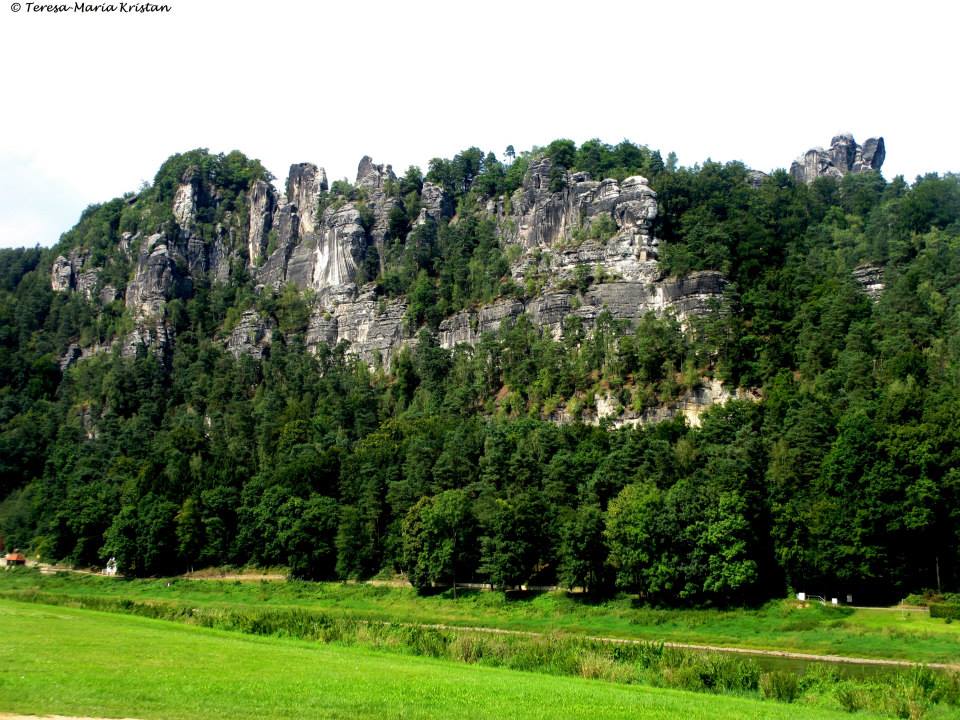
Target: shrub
x: 780, y: 685
x: 851, y: 698
x: 942, y: 610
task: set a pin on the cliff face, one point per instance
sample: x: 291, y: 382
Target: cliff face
x: 843, y: 156
x: 587, y: 246
x: 579, y: 246
x: 316, y: 241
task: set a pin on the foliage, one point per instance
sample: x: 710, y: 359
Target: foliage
x: 840, y: 478
x: 949, y: 612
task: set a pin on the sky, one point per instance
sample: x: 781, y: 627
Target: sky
x: 93, y: 103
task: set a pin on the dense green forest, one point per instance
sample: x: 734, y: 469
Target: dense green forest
x: 843, y: 478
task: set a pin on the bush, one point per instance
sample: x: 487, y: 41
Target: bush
x: 708, y: 672
x: 948, y: 612
x: 850, y: 697
x: 779, y: 685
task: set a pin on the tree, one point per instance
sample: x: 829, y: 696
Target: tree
x: 640, y: 534
x: 307, y: 532
x: 512, y: 548
x: 583, y: 549
x: 438, y: 538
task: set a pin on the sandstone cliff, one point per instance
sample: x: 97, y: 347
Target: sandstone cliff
x: 843, y: 156
x: 579, y: 245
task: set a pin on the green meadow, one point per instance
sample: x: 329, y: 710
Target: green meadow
x: 781, y: 625
x: 79, y: 662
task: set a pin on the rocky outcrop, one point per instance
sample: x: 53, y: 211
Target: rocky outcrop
x: 585, y: 246
x: 315, y: 252
x: 756, y: 178
x: 108, y: 294
x: 251, y: 336
x: 71, y: 273
x: 870, y: 279
x: 185, y: 200
x: 691, y: 405
x: 372, y: 176
x: 627, y: 301
x: 602, y: 224
x: 72, y: 355
x: 546, y: 218
x: 326, y: 260
x: 262, y: 205
x: 61, y: 275
x: 434, y: 204
x: 843, y: 156
x: 151, y: 335
x: 305, y: 184
x: 286, y: 229
x: 154, y: 280
x: 375, y: 180
x: 374, y: 329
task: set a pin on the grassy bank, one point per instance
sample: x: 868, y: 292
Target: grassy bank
x: 894, y: 634
x: 913, y: 693
x: 69, y: 661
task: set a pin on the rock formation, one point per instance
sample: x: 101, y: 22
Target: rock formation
x: 870, y: 279
x: 262, y: 206
x: 374, y: 329
x: 586, y: 222
x: 153, y: 282
x: 586, y: 245
x: 314, y: 242
x: 843, y: 156
x: 374, y: 180
x: 72, y: 273
x: 305, y: 184
x: 691, y: 405
x: 251, y: 336
x: 434, y: 204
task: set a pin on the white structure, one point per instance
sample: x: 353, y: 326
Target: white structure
x: 111, y: 568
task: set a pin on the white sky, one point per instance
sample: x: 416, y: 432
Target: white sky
x: 93, y: 104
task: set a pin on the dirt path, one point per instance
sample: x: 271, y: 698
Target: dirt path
x: 843, y: 659
x: 243, y: 577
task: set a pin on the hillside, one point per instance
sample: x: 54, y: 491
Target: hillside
x: 582, y: 365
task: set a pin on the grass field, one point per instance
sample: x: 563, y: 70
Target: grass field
x: 894, y: 634
x: 79, y: 662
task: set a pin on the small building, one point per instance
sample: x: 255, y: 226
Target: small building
x: 14, y: 558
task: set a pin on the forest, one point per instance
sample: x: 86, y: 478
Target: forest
x: 841, y: 474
